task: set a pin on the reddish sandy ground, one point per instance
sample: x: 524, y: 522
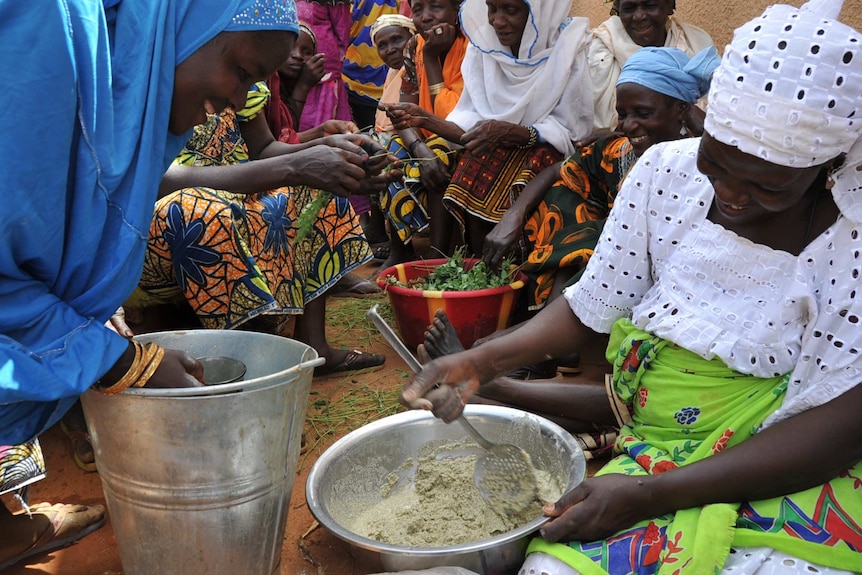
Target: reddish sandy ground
x: 308, y: 549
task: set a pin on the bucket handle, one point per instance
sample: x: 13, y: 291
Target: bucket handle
x: 262, y: 383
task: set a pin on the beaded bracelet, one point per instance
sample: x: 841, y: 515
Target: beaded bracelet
x: 533, y: 140
x: 435, y: 89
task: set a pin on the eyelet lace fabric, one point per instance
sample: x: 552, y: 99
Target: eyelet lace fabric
x: 761, y: 311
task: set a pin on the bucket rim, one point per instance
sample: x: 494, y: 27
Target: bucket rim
x: 309, y: 360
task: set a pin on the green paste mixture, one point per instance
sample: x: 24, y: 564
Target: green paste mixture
x: 442, y: 507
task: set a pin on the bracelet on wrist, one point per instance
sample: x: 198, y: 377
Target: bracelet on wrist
x: 533, y: 139
x: 435, y: 89
x: 147, y: 359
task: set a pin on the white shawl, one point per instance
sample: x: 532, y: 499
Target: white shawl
x: 612, y: 46
x: 546, y: 86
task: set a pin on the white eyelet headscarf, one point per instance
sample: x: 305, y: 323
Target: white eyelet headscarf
x: 546, y: 86
x: 789, y: 91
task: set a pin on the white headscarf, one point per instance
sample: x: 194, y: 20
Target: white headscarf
x: 547, y: 86
x: 789, y: 91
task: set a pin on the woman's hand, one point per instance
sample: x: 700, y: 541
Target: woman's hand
x: 434, y: 175
x: 439, y: 39
x: 499, y: 242
x: 599, y: 507
x: 444, y: 386
x: 405, y: 115
x: 338, y: 170
x: 335, y: 127
x: 118, y: 324
x: 312, y: 71
x: 177, y: 369
x: 488, y: 134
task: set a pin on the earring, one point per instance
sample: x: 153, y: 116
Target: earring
x: 830, y: 182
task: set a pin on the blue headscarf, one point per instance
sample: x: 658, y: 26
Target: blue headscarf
x: 86, y: 91
x: 669, y: 71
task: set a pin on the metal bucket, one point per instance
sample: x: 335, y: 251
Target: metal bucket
x: 198, y: 480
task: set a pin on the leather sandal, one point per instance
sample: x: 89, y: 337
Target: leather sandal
x: 63, y: 524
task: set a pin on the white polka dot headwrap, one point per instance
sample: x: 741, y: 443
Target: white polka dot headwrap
x: 789, y: 87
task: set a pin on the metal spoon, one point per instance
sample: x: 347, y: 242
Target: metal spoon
x: 504, y: 474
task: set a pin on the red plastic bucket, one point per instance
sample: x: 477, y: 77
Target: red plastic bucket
x: 474, y: 314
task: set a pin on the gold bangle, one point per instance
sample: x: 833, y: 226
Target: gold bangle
x: 435, y: 89
x: 156, y: 353
x: 147, y: 359
x: 133, y: 373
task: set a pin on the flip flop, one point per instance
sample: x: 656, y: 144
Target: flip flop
x: 353, y: 361
x: 75, y: 437
x: 351, y: 285
x: 68, y: 524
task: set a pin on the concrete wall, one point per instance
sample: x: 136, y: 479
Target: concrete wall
x: 719, y: 18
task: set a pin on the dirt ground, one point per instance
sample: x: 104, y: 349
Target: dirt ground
x: 337, y: 405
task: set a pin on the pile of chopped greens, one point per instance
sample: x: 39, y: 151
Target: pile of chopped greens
x: 451, y: 276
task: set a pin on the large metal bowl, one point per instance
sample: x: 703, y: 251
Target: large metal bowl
x: 361, y: 461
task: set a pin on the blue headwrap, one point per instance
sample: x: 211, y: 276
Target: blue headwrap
x: 80, y: 175
x: 669, y: 71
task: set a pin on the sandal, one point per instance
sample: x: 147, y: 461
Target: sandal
x: 353, y: 361
x: 82, y: 448
x: 64, y: 524
x: 351, y: 285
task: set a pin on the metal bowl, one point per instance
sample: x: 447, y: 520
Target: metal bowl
x: 220, y: 369
x: 361, y: 461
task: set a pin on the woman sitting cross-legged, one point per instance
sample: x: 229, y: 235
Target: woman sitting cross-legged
x: 565, y: 206
x: 526, y: 96
x: 238, y: 251
x: 726, y: 276
x: 431, y: 85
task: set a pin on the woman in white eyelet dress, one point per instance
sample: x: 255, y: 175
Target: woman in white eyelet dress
x: 726, y: 275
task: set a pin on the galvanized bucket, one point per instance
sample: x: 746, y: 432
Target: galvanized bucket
x: 198, y: 480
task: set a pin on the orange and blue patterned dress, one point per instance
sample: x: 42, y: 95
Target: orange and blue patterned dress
x: 563, y: 230
x: 233, y: 256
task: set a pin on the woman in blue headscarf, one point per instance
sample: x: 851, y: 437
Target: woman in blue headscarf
x: 129, y: 79
x: 565, y: 206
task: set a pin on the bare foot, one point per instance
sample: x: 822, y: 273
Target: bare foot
x: 441, y: 337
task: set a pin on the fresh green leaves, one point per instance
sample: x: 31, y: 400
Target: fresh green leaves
x: 309, y: 213
x: 451, y: 276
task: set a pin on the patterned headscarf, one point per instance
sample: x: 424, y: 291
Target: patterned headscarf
x: 671, y: 72
x: 391, y: 20
x: 789, y: 87
x: 265, y: 14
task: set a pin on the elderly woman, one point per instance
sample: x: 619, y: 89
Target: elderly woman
x: 565, y: 206
x: 726, y: 276
x: 526, y: 96
x: 129, y: 80
x: 633, y: 25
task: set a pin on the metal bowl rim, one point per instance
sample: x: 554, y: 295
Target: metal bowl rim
x: 325, y: 518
